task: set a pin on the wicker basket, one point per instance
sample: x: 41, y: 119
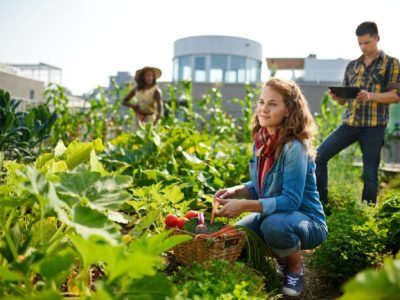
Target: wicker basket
x: 226, y: 246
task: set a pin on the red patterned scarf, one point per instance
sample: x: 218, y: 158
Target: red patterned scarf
x: 265, y: 151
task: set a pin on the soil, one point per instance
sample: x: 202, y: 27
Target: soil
x: 315, y: 288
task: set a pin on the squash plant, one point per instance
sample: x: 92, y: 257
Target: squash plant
x: 59, y: 217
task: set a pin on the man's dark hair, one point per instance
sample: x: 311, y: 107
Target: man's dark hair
x: 367, y: 28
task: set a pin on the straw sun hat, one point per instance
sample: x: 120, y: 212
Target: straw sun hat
x: 157, y: 72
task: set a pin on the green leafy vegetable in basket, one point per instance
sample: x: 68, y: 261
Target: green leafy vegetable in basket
x: 190, y: 225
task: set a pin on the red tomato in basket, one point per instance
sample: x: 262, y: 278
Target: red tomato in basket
x: 171, y: 220
x: 182, y: 222
x: 191, y: 214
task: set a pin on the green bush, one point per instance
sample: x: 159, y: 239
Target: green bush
x: 389, y: 216
x: 218, y: 280
x: 373, y: 284
x: 328, y: 119
x: 23, y: 132
x: 345, y: 185
x: 355, y: 241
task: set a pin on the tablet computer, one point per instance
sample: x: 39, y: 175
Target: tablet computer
x: 348, y: 92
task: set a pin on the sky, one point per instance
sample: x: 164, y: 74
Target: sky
x: 91, y: 40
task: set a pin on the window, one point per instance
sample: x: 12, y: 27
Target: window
x: 175, y: 76
x: 252, y: 70
x: 185, y: 68
x: 237, y: 70
x: 218, y: 68
x: 200, y: 69
x: 32, y: 94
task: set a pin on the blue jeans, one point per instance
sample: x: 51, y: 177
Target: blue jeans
x: 286, y: 232
x: 371, y: 141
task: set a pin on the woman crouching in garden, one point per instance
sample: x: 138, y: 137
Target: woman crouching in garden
x: 287, y: 212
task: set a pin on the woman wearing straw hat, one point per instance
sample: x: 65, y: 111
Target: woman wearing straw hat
x: 147, y: 96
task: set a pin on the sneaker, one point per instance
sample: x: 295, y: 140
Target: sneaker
x: 294, y: 284
x: 282, y: 270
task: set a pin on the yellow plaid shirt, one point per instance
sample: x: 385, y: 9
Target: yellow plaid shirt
x: 383, y: 71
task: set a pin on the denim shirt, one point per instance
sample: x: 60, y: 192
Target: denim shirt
x: 290, y: 184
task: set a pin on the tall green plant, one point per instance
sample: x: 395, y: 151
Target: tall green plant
x: 215, y: 120
x: 329, y: 118
x: 247, y: 104
x: 355, y: 241
x: 23, y: 133
x: 67, y: 126
x: 100, y: 116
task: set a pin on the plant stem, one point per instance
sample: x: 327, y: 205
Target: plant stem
x: 55, y: 240
x: 11, y: 245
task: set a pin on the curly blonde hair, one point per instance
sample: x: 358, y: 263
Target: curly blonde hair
x: 298, y: 124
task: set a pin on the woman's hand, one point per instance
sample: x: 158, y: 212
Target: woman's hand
x: 232, y: 208
x: 226, y: 193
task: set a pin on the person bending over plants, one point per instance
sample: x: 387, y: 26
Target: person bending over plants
x: 282, y: 193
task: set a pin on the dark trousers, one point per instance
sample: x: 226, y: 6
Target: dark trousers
x: 371, y: 141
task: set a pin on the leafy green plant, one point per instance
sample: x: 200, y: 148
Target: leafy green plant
x: 329, y: 118
x: 218, y: 280
x: 178, y: 155
x: 215, y: 120
x: 243, y: 133
x: 355, y: 241
x: 389, y: 215
x: 259, y: 256
x: 375, y: 284
x: 23, y: 133
x: 345, y: 185
x: 99, y: 117
x: 190, y: 225
x: 60, y: 221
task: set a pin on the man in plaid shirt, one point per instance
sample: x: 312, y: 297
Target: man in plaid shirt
x: 378, y: 76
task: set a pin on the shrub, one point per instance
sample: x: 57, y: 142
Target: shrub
x: 345, y: 185
x: 373, y: 284
x: 23, y: 133
x: 389, y: 216
x: 218, y: 280
x: 355, y: 241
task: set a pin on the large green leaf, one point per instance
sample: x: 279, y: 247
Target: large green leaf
x: 88, y: 222
x: 34, y: 182
x: 54, y: 166
x: 372, y: 284
x: 51, y: 266
x: 146, y: 222
x: 193, y: 160
x: 78, y: 152
x: 85, y: 220
x: 156, y: 174
x: 159, y: 243
x: 152, y: 288
x: 42, y: 159
x: 60, y: 149
x: 119, y: 261
x: 95, y: 164
x: 173, y: 193
x: 7, y: 275
x: 100, y: 192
